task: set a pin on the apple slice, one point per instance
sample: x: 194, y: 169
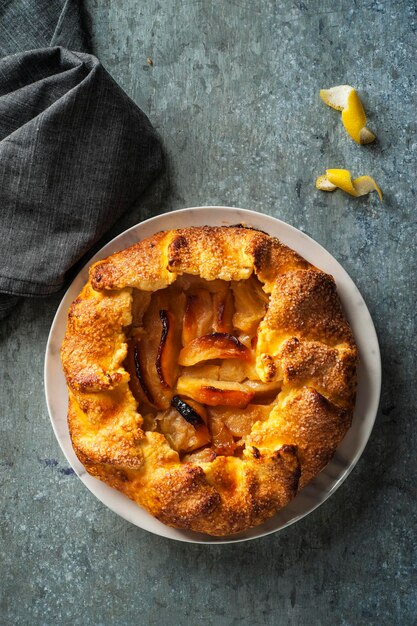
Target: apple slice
x: 208, y: 370
x: 240, y: 422
x: 159, y: 345
x: 194, y: 413
x: 184, y: 425
x: 213, y: 346
x: 233, y: 369
x: 215, y: 392
x: 223, y: 310
x: 263, y: 391
x: 134, y: 366
x: 223, y: 442
x: 251, y: 303
x: 168, y: 349
x: 198, y: 315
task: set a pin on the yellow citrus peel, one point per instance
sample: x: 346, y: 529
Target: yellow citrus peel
x: 342, y: 179
x: 344, y: 98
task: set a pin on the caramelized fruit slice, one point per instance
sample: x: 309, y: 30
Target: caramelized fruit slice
x: 191, y: 411
x: 214, y: 346
x: 159, y: 346
x: 198, y: 315
x: 251, y: 303
x: 240, y: 422
x: 133, y: 365
x: 168, y: 350
x: 223, y: 442
x: 215, y: 392
x: 184, y: 425
x: 140, y: 373
x: 223, y: 310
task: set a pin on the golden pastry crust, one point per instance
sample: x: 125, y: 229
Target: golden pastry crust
x: 303, y: 349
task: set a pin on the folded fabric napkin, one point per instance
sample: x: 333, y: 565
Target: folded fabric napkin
x: 75, y: 151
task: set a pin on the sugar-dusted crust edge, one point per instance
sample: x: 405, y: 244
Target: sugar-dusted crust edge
x: 304, y: 341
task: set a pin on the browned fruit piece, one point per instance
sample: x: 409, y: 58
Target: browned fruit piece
x: 213, y: 346
x: 198, y: 315
x: 214, y: 392
x: 223, y: 442
x: 137, y: 383
x: 240, y: 422
x: 251, y: 303
x: 223, y: 310
x: 168, y: 350
x: 166, y: 321
x: 140, y: 374
x: 184, y: 425
x: 193, y: 412
x: 159, y: 346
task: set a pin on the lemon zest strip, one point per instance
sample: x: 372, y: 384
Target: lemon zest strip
x: 342, y: 179
x: 345, y: 98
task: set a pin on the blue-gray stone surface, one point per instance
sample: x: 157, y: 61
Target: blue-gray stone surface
x: 233, y: 91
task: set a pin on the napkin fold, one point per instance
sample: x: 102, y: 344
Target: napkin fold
x: 75, y: 154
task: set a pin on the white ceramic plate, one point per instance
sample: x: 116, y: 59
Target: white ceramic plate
x: 369, y: 374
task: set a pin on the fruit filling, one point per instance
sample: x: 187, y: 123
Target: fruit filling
x: 191, y: 361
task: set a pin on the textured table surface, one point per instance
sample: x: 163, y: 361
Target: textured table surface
x: 233, y: 92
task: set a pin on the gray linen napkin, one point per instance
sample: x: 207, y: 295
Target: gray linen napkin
x: 75, y: 151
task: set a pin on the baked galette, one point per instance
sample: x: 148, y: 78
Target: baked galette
x: 211, y: 375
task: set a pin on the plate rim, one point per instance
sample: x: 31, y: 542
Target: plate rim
x: 91, y: 483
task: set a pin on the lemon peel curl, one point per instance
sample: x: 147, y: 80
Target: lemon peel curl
x: 342, y: 179
x: 345, y: 98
